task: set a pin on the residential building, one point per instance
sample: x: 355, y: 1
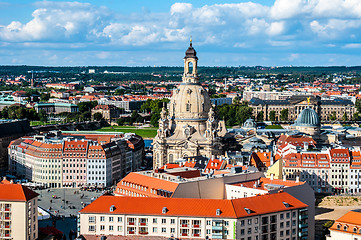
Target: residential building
x: 347, y: 227
x: 273, y: 216
x: 9, y: 131
x: 74, y: 159
x: 19, y: 212
x: 109, y: 112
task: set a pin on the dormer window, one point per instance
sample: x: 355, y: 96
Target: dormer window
x: 345, y: 228
x: 218, y: 212
x: 164, y: 210
x: 339, y: 227
x: 112, y: 208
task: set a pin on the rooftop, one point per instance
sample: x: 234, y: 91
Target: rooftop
x: 235, y: 208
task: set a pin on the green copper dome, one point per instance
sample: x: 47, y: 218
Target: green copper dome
x: 308, y: 118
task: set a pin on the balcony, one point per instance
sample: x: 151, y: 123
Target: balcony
x: 196, y: 225
x: 218, y: 228
x: 303, y: 225
x: 184, y: 234
x: 143, y: 233
x: 130, y: 232
x: 196, y: 235
x: 217, y: 235
x: 184, y: 225
x: 7, y: 209
x: 131, y: 223
x: 303, y: 216
x: 143, y: 224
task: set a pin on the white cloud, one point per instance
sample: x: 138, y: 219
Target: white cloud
x: 75, y: 26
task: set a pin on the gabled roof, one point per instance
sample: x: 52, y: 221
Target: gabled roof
x: 234, y: 208
x: 150, y: 183
x: 15, y: 192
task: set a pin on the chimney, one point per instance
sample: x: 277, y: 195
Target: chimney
x: 165, y: 167
x: 284, y: 177
x: 271, y: 176
x: 298, y: 179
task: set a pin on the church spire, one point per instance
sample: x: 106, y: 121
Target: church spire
x: 190, y: 65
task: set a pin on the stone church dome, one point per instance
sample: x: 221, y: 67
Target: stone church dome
x: 190, y: 102
x: 308, y: 118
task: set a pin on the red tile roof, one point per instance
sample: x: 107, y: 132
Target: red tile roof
x: 15, y: 192
x: 234, y: 208
x: 352, y: 220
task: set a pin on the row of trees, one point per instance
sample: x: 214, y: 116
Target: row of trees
x: 20, y: 112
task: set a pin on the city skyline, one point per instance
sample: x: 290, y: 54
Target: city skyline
x: 141, y: 33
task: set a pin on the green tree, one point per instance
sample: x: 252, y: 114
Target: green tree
x: 97, y: 116
x: 344, y: 117
x: 260, y: 116
x: 45, y: 97
x: 356, y: 116
x: 87, y: 106
x: 43, y: 116
x: 272, y: 115
x: 333, y: 116
x: 358, y: 105
x: 284, y: 115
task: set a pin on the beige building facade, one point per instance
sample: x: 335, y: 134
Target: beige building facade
x: 189, y: 127
x: 18, y: 212
x: 295, y: 105
x: 183, y: 218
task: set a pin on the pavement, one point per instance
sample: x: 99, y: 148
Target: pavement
x: 53, y: 199
x: 69, y: 208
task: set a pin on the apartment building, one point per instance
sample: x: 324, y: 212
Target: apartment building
x: 273, y: 216
x: 74, y: 160
x: 347, y: 227
x: 18, y: 212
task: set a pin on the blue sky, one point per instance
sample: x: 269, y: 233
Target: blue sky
x: 156, y: 33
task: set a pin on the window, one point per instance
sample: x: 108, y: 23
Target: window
x: 164, y: 221
x: 102, y: 218
x: 164, y: 230
x: 242, y: 223
x: 208, y: 222
x: 155, y: 220
x: 288, y: 215
x: 155, y: 229
x: 111, y: 219
x: 102, y: 227
x: 91, y: 219
x: 120, y: 219
x: 226, y: 223
x: 226, y: 232
x: 172, y: 230
x: 172, y: 221
x: 249, y: 231
x: 91, y: 228
x: 255, y: 229
x: 249, y: 221
x: 120, y: 228
x: 242, y: 232
x: 208, y: 231
x: 110, y: 228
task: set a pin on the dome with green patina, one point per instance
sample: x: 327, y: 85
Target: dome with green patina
x: 308, y: 118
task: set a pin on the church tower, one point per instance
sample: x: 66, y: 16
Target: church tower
x: 190, y: 127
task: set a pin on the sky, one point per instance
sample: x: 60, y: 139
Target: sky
x: 157, y: 32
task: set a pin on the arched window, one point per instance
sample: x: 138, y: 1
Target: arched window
x: 190, y: 67
x: 345, y: 228
x: 339, y: 226
x: 188, y: 107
